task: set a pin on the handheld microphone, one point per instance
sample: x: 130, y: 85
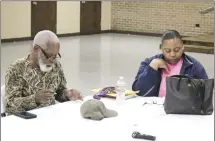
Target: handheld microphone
x: 137, y: 135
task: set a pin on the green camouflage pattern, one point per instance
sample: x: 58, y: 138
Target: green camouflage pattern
x: 22, y: 82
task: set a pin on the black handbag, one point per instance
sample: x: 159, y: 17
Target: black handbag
x: 185, y: 95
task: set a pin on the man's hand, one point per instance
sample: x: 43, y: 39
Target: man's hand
x: 159, y: 63
x: 43, y: 96
x: 73, y: 94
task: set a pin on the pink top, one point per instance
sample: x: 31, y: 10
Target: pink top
x: 174, y: 70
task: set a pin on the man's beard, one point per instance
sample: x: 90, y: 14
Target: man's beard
x: 43, y: 67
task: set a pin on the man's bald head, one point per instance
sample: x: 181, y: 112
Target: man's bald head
x: 46, y: 47
x: 45, y: 39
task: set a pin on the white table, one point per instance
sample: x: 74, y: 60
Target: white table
x: 63, y: 122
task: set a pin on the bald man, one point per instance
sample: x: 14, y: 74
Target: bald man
x: 38, y: 79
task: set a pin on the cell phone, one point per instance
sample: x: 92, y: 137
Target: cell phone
x: 138, y: 135
x: 25, y: 115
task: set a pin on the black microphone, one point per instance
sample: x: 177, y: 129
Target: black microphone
x: 137, y: 135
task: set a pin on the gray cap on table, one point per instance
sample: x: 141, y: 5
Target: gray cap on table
x: 95, y: 109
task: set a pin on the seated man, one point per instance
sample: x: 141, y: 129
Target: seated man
x: 37, y: 80
x: 151, y: 77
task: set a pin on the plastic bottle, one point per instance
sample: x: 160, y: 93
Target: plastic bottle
x: 120, y: 91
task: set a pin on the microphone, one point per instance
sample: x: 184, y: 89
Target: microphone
x: 137, y: 135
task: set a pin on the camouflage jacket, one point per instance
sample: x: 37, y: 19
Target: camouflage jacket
x: 22, y: 82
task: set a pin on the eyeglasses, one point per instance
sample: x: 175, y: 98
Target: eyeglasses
x: 47, y: 56
x: 153, y: 102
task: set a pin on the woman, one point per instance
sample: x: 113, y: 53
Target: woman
x: 151, y: 77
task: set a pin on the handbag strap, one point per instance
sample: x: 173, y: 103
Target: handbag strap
x: 181, y: 76
x: 189, y: 80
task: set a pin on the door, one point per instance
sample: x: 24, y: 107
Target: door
x: 90, y: 17
x: 43, y: 16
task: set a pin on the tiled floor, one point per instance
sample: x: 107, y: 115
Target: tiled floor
x: 98, y: 60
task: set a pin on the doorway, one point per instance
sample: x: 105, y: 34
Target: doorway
x: 43, y: 16
x: 90, y: 17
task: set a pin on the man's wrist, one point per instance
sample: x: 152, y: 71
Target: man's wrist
x: 37, y: 102
x: 65, y: 95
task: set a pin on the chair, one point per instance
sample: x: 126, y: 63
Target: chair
x: 3, y: 102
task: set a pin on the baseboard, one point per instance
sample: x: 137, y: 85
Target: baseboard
x: 30, y: 38
x: 136, y: 33
x: 91, y: 33
x: 59, y: 35
x: 68, y: 34
x: 139, y: 33
x: 106, y: 31
x: 78, y: 34
x: 16, y: 39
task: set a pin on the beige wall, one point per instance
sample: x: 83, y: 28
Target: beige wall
x: 68, y: 17
x: 106, y: 15
x: 16, y: 18
x: 156, y: 17
x: 153, y: 17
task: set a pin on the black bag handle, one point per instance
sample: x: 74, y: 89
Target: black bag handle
x: 182, y: 76
x: 189, y: 79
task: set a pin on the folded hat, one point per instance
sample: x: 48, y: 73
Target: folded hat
x: 95, y: 109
